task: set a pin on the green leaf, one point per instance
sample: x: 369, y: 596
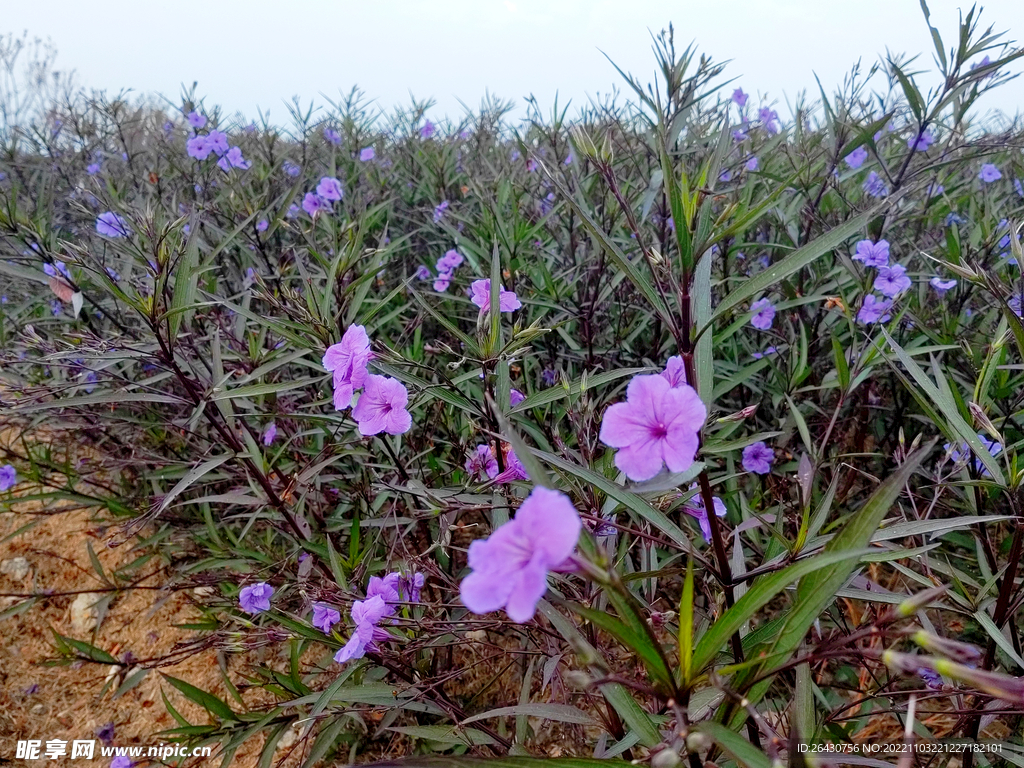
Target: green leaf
x: 757, y: 596
x: 734, y: 745
x: 562, y: 713
x: 209, y: 702
x: 445, y: 734
x: 948, y: 407
x: 459, y: 761
x: 793, y: 263
x: 638, y: 642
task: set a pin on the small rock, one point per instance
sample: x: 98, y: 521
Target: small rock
x: 203, y: 591
x: 290, y: 737
x: 39, y: 709
x: 83, y: 612
x: 477, y: 635
x: 16, y: 567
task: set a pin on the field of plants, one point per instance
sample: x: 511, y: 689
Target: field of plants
x: 680, y: 428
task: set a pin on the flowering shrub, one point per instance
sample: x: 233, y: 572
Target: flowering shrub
x: 473, y: 501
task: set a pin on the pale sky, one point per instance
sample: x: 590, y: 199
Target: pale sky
x: 262, y: 52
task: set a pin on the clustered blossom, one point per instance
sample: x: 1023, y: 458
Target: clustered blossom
x: 427, y: 130
x: 8, y: 477
x: 332, y: 136
x: 480, y: 294
x: 382, y: 596
x: 446, y: 267
x: 510, y: 568
x: 348, y: 361
x: 255, y: 598
x: 57, y: 269
x: 764, y: 314
x: 872, y: 254
x: 440, y: 210
x: 657, y: 426
x: 770, y: 118
x: 757, y: 458
x: 695, y: 508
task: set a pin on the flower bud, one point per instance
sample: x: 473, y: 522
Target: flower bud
x: 952, y: 649
x: 913, y: 604
x: 665, y: 758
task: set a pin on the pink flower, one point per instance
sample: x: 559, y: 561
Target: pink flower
x: 329, y: 188
x: 348, y: 360
x: 381, y: 407
x: 510, y: 568
x: 366, y: 614
x: 481, y: 463
x: 514, y: 469
x: 515, y: 397
x: 657, y: 425
x: 480, y: 292
x: 675, y: 372
x: 695, y: 508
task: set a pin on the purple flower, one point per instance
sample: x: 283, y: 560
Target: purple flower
x: 439, y: 210
x: 549, y: 377
x: 892, y: 281
x: 427, y: 130
x: 657, y: 425
x: 111, y: 225
x: 768, y: 351
x: 480, y: 293
x: 934, y: 190
x: 386, y: 588
x: 57, y: 268
x: 962, y: 451
x: 92, y: 169
x: 874, y: 310
x: 262, y: 225
x: 875, y: 186
x: 752, y: 164
x: 922, y: 142
x: 1017, y: 185
x: 695, y: 508
x: 481, y: 463
x: 324, y: 617
x: 291, y: 168
x: 313, y: 204
x: 941, y: 286
x: 8, y: 477
x: 270, y: 433
x: 872, y: 254
x: 348, y: 360
x: 739, y: 97
x: 674, y: 373
x: 329, y: 188
x: 856, y: 158
x: 366, y: 614
x: 234, y: 159
x: 725, y: 175
x: 255, y: 598
x: 442, y: 282
x: 198, y: 147
x: 449, y: 262
x: 770, y: 118
x: 293, y: 211
x: 510, y: 568
x: 515, y: 397
x: 366, y: 154
x: 514, y: 469
x: 409, y: 587
x: 218, y: 141
x: 531, y: 165
x: 764, y: 314
x: 739, y: 135
x: 123, y: 761
x: 332, y: 136
x: 989, y: 173
x: 196, y: 120
x: 382, y: 407
x: 757, y: 457
x: 422, y: 272
x: 931, y: 678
